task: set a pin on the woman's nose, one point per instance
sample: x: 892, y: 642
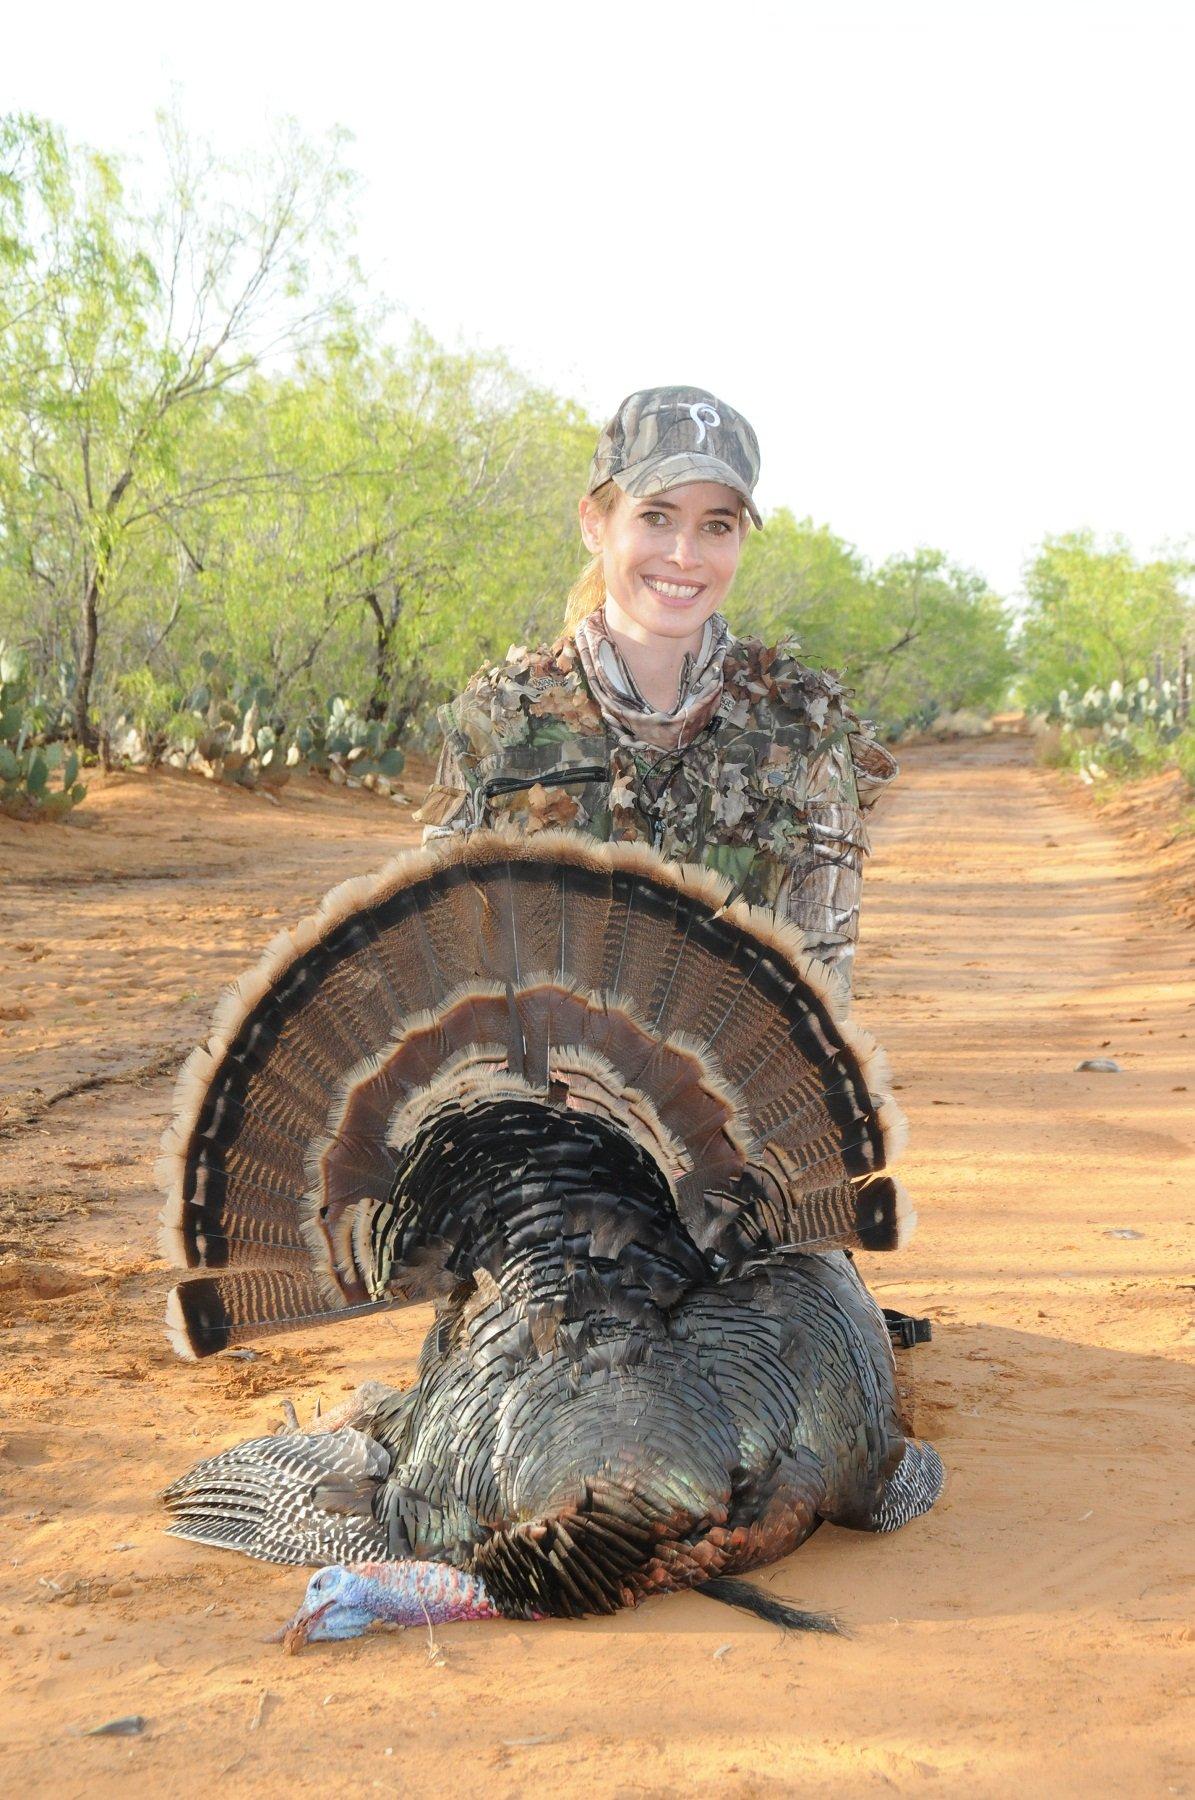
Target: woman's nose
x: 685, y: 553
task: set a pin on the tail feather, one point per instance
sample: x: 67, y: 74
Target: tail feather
x: 871, y: 1215
x: 765, y: 1606
x: 586, y: 902
x: 218, y: 1312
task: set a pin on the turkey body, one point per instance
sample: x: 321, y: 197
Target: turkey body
x: 623, y: 1148
x: 645, y: 1461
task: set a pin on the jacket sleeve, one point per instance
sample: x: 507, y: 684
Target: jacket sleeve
x: 847, y: 773
x: 875, y: 768
x: 451, y: 802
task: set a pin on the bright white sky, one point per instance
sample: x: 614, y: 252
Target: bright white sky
x: 940, y: 254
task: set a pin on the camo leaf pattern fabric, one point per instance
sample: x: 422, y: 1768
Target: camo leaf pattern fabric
x: 771, y: 794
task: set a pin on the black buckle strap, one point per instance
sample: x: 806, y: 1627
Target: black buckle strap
x: 567, y: 776
x: 905, y: 1330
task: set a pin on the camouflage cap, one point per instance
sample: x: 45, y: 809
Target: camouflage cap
x: 662, y: 438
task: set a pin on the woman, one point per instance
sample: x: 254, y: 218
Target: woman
x: 648, y: 721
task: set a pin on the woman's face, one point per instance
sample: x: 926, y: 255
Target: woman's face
x: 668, y: 561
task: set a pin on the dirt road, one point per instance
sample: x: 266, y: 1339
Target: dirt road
x: 1032, y: 1632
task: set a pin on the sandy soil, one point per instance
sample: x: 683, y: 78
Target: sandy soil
x: 1033, y: 1630
x: 1157, y: 815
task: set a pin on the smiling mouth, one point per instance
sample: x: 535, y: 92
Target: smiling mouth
x: 675, y: 591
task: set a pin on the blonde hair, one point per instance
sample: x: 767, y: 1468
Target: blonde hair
x: 589, y: 589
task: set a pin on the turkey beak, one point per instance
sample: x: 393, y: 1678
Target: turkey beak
x: 293, y: 1635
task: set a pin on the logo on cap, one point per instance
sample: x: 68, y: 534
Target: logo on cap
x: 703, y: 414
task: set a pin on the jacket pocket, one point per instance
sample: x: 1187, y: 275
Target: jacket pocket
x: 571, y: 795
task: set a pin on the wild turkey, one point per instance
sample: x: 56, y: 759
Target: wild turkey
x: 608, y: 1119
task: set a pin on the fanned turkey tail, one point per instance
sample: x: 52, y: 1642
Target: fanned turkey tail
x: 394, y: 1099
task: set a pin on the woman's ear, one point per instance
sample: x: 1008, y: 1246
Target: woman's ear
x: 592, y: 521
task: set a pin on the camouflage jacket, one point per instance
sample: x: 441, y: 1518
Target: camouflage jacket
x: 771, y: 793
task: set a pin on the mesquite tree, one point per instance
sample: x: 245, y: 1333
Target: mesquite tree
x: 420, y: 514
x: 120, y: 323
x: 1096, y: 614
x: 913, y: 636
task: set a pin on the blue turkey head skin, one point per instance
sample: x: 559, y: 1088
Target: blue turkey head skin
x: 337, y: 1604
x: 345, y: 1600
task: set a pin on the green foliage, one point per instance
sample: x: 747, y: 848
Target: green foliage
x: 420, y: 515
x: 950, y: 650
x: 1096, y: 615
x: 28, y: 757
x: 916, y: 637
x: 1184, y: 757
x: 153, y: 717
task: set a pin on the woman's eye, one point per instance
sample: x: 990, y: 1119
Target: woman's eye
x: 718, y: 526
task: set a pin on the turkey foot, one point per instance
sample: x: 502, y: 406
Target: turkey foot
x: 356, y: 1411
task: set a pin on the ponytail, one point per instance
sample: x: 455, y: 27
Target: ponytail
x: 589, y: 589
x: 585, y: 596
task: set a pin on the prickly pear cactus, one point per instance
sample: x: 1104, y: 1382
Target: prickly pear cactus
x: 230, y: 730
x: 38, y: 779
x: 1122, y: 726
x: 350, y: 750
